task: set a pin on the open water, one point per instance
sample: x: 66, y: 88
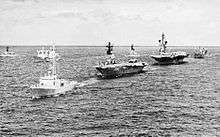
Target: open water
x: 173, y: 100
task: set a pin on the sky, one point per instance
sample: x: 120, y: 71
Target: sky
x: 123, y: 22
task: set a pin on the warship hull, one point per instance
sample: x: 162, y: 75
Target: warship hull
x: 41, y: 92
x: 8, y: 55
x: 198, y: 55
x: 169, y: 60
x: 119, y: 71
x: 40, y: 59
x: 172, y: 58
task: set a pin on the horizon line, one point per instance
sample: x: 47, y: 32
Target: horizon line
x: 77, y: 45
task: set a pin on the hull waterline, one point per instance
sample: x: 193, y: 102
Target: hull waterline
x: 119, y: 71
x: 166, y: 60
x: 40, y: 92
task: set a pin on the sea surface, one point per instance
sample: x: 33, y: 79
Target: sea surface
x: 173, y: 100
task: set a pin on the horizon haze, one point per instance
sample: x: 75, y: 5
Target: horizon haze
x: 122, y: 22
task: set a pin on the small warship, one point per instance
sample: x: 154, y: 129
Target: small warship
x: 168, y: 57
x: 46, y: 54
x: 51, y: 85
x: 8, y: 53
x: 200, y: 53
x: 133, y: 53
x: 110, y: 68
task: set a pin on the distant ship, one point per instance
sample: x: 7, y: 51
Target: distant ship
x: 200, y: 53
x: 112, y: 69
x: 46, y: 54
x: 168, y: 57
x: 51, y: 85
x: 8, y: 53
x: 133, y: 53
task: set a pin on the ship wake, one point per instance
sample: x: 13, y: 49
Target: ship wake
x: 88, y: 82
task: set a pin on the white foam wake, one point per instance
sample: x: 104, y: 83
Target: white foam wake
x: 88, y: 82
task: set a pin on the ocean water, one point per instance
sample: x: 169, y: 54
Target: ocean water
x: 173, y: 100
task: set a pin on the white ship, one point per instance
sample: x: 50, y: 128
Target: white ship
x: 47, y: 54
x: 8, y: 53
x: 200, y: 53
x: 51, y: 85
x: 133, y: 53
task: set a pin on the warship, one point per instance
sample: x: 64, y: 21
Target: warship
x: 51, y: 85
x: 165, y: 58
x: 46, y: 54
x: 200, y: 53
x: 8, y: 53
x: 133, y: 53
x: 110, y: 68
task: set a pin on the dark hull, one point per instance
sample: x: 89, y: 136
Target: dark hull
x: 119, y: 71
x: 38, y: 59
x: 169, y: 60
x: 198, y: 55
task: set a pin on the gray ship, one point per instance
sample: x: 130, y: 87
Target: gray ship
x: 110, y: 68
x: 165, y: 57
x: 200, y: 53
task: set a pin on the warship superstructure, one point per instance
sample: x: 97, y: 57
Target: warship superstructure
x: 110, y: 68
x: 51, y: 85
x: 133, y: 53
x: 165, y: 57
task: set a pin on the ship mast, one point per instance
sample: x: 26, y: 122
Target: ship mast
x: 110, y: 48
x: 54, y: 63
x: 163, y: 43
x: 7, y: 49
x: 132, y: 47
